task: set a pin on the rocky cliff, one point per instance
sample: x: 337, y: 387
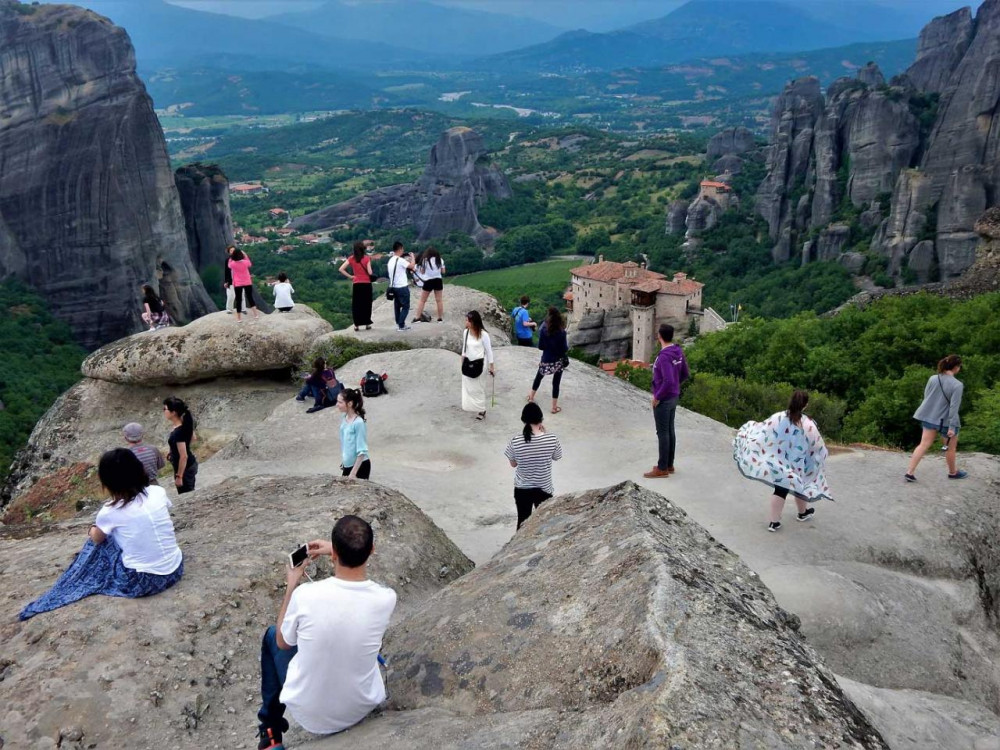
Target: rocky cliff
x: 204, y: 195
x: 909, y: 167
x: 88, y: 207
x: 457, y: 179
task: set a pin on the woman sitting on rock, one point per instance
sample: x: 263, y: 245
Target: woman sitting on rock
x: 531, y: 455
x: 476, y: 354
x: 354, y: 459
x: 131, y: 550
x: 155, y: 313
x: 323, y: 385
x: 552, y: 341
x: 787, y: 452
x: 240, y: 264
x: 431, y: 269
x: 181, y: 458
x: 361, y: 276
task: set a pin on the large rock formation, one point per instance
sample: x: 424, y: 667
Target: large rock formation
x: 731, y: 141
x: 831, y: 158
x: 183, y: 667
x: 605, y: 333
x: 210, y: 347
x: 664, y: 638
x: 458, y: 178
x: 88, y: 207
x: 204, y: 195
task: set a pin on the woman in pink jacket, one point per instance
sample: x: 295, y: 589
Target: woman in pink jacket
x: 240, y: 264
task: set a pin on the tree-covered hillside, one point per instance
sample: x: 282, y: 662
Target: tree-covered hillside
x: 38, y: 361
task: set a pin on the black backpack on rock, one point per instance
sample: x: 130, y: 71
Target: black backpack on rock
x: 373, y: 384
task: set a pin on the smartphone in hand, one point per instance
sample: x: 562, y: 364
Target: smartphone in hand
x: 299, y: 556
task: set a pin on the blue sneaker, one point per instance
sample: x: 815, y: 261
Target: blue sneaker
x: 960, y: 474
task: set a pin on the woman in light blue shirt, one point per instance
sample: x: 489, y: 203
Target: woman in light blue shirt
x: 353, y: 435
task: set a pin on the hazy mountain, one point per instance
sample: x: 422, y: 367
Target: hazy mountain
x: 165, y: 34
x: 422, y: 26
x: 715, y: 28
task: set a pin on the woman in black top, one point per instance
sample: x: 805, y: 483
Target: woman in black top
x: 181, y: 458
x: 552, y: 341
x: 154, y: 311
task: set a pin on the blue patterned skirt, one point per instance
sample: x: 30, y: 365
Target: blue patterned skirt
x: 98, y: 569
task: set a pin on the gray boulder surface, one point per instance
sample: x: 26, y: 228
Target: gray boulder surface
x: 943, y: 43
x: 204, y: 196
x: 731, y: 141
x: 183, y: 667
x: 871, y: 75
x: 728, y: 163
x: 606, y: 333
x: 677, y: 217
x: 457, y: 179
x: 664, y: 638
x: 88, y: 206
x: 210, y: 347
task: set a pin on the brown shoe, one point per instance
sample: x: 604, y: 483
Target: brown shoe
x: 671, y: 469
x: 657, y: 473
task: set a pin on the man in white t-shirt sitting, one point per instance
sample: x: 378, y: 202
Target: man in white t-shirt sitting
x: 321, y: 661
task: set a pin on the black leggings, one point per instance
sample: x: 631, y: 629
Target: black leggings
x: 244, y: 290
x: 364, y: 471
x: 526, y: 499
x: 556, y: 380
x: 781, y: 492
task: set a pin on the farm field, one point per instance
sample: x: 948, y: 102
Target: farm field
x: 544, y: 282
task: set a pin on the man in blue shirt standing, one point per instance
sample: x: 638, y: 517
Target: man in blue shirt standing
x: 523, y: 324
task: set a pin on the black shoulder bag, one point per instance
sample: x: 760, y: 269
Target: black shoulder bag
x: 471, y: 368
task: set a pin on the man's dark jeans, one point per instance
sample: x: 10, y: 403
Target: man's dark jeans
x: 273, y: 671
x: 525, y: 342
x: 663, y: 414
x: 401, y: 304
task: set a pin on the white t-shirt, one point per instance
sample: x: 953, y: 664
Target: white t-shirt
x: 431, y: 269
x: 283, y: 294
x: 333, y: 681
x: 144, y: 531
x: 397, y: 271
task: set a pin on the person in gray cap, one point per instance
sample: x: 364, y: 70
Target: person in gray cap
x: 152, y: 460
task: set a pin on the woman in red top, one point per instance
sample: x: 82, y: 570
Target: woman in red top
x: 361, y: 294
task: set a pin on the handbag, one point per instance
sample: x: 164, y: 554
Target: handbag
x: 390, y: 293
x: 471, y: 368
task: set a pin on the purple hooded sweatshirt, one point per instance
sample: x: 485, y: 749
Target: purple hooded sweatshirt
x: 669, y: 371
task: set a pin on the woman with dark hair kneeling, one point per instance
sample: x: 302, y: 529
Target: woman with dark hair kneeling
x: 531, y: 455
x: 787, y: 452
x: 181, y: 436
x: 355, y: 462
x: 131, y: 551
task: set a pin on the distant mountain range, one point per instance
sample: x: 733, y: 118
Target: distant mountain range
x: 423, y: 26
x: 714, y: 28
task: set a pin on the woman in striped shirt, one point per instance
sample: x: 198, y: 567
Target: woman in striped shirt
x: 531, y: 455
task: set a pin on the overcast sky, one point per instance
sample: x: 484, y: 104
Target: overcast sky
x: 595, y: 15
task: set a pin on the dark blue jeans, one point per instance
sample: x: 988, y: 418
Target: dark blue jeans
x: 309, y: 390
x: 663, y: 414
x: 273, y: 671
x: 401, y: 305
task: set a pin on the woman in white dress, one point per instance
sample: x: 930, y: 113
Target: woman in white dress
x: 476, y: 355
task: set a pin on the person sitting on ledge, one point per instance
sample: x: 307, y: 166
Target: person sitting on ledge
x: 321, y: 659
x: 131, y: 551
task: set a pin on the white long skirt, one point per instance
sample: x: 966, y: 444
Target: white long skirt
x: 474, y: 393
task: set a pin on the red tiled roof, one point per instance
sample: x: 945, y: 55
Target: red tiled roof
x: 611, y: 366
x: 609, y: 271
x: 713, y: 183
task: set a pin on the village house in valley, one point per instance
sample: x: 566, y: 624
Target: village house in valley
x: 650, y: 298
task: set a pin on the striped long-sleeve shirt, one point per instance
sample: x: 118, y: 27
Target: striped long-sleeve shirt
x: 534, y: 460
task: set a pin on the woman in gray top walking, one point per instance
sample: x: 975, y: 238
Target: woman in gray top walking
x: 938, y: 413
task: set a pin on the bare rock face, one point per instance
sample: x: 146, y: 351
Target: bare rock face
x: 702, y: 215
x: 457, y: 179
x: 728, y: 163
x: 943, y: 42
x: 731, y: 141
x: 664, y: 639
x: 830, y: 244
x: 88, y: 207
x: 204, y: 194
x: 183, y: 667
x: 212, y: 346
x: 871, y: 75
x: 923, y: 261
x: 606, y: 333
x: 677, y: 217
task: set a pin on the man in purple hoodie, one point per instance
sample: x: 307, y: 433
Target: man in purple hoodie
x: 669, y: 371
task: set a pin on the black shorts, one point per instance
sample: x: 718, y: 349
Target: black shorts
x: 781, y: 492
x: 433, y: 285
x: 364, y: 471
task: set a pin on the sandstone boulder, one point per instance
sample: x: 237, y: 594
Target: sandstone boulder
x: 677, y: 217
x: 727, y: 164
x: 871, y: 75
x: 612, y: 620
x: 458, y: 300
x: 182, y: 668
x: 922, y: 260
x: 942, y: 44
x: 210, y: 347
x: 605, y: 333
x: 204, y: 195
x: 731, y: 141
x: 88, y: 206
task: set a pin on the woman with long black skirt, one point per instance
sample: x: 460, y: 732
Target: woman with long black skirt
x: 361, y: 293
